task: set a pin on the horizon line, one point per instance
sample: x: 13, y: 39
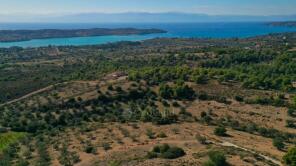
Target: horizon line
x: 137, y: 12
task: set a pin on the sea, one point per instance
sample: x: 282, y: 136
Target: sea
x: 174, y: 30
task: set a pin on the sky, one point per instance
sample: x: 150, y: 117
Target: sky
x: 211, y: 7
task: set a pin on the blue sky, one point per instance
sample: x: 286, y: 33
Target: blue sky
x: 212, y: 7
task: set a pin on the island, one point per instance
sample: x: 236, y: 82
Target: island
x: 26, y: 35
x: 284, y: 23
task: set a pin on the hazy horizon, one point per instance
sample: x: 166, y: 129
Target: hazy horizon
x: 139, y: 17
x: 147, y: 11
x: 211, y: 7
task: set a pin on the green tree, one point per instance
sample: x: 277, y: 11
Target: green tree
x: 184, y: 92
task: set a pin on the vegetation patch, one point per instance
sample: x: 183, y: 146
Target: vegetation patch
x: 165, y: 151
x: 216, y: 158
x: 9, y: 138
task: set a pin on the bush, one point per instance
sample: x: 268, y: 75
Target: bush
x: 164, y: 148
x: 290, y: 124
x: 203, y: 114
x: 278, y: 143
x: 290, y: 157
x: 217, y: 158
x: 173, y: 152
x: 239, y: 98
x: 151, y: 155
x: 201, y: 139
x: 90, y: 149
x: 68, y: 158
x: 165, y: 151
x: 107, y: 146
x: 201, y: 79
x: 22, y: 162
x: 162, y: 135
x: 291, y: 112
x: 110, y: 87
x: 150, y: 134
x: 220, y: 131
x: 176, y: 104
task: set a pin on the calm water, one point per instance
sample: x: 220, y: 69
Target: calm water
x: 187, y: 30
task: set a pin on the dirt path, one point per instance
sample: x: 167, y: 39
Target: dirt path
x: 228, y: 144
x: 50, y: 87
x: 32, y: 93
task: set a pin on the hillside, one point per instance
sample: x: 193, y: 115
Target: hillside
x: 157, y: 102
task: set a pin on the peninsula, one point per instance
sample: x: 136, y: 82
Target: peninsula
x: 26, y: 35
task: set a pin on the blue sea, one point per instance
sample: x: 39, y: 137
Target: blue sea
x: 181, y: 30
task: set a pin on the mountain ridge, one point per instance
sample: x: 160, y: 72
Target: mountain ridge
x: 141, y: 17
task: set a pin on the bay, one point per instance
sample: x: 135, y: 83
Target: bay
x: 180, y: 30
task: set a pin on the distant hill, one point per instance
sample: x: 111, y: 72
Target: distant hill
x: 285, y: 23
x: 142, y: 17
x: 23, y: 35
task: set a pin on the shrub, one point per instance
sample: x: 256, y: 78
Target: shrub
x: 278, y: 143
x: 118, y: 89
x: 290, y: 124
x: 201, y: 79
x: 203, y: 114
x: 151, y: 155
x: 218, y: 158
x: 220, y: 131
x: 175, y: 130
x: 239, y: 98
x: 68, y: 158
x: 156, y: 149
x: 165, y: 91
x: 44, y: 158
x: 106, y: 146
x: 176, y: 104
x: 163, y: 148
x: 173, y: 152
x: 90, y: 149
x: 291, y: 112
x: 165, y: 151
x: 201, y: 139
x: 22, y: 162
x: 290, y: 157
x: 110, y: 87
x: 150, y: 134
x: 162, y: 135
